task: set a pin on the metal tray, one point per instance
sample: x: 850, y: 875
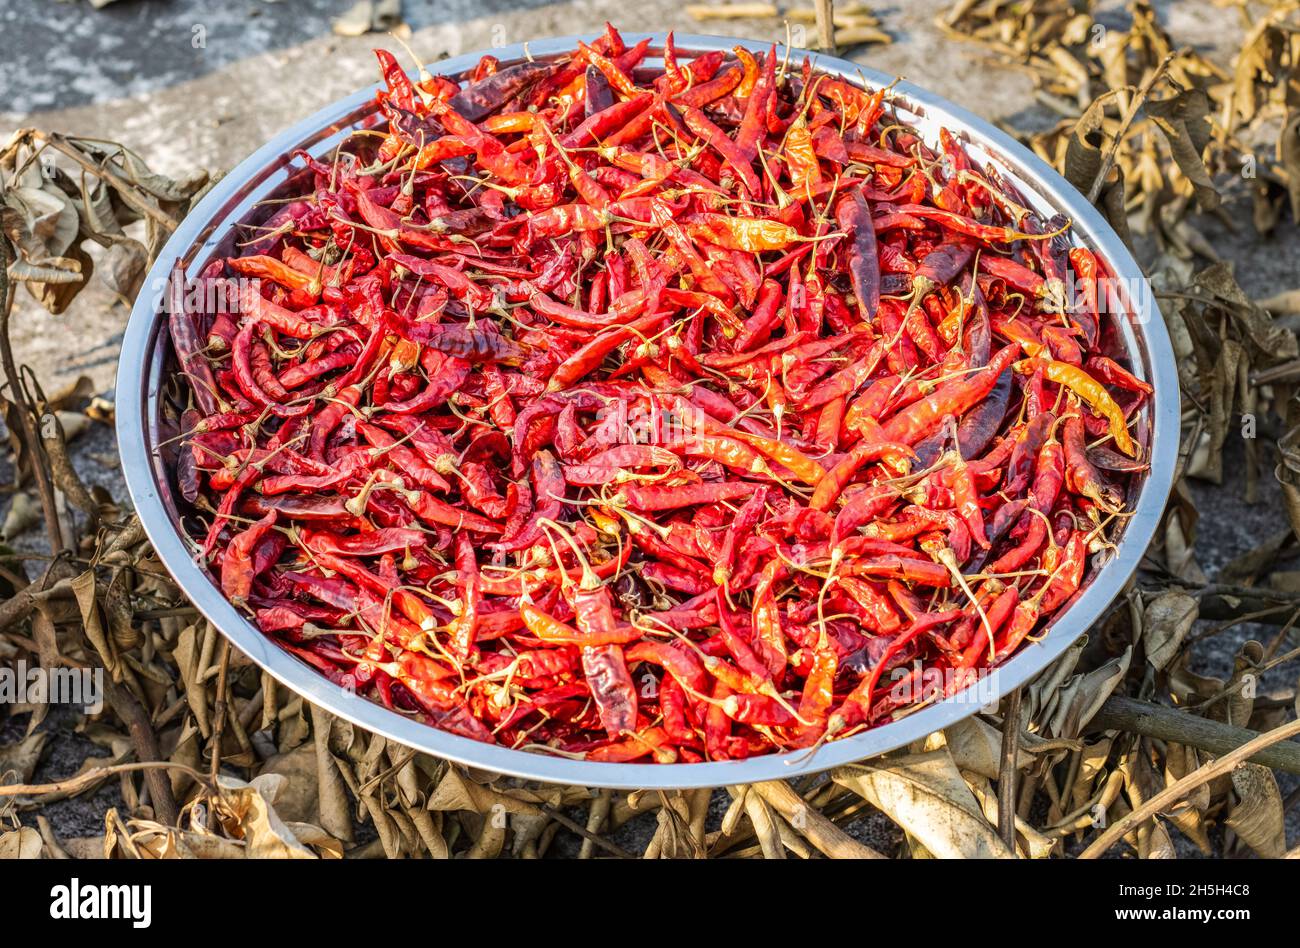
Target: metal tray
x: 208, y: 232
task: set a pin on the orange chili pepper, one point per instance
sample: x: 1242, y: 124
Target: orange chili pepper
x: 1088, y: 389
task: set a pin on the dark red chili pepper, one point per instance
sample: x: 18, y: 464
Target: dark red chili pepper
x: 237, y: 566
x: 186, y: 342
x: 480, y: 99
x: 854, y: 217
x: 951, y: 398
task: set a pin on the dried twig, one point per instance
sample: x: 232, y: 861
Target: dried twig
x: 828, y: 838
x: 219, y: 711
x: 91, y: 777
x: 31, y: 443
x: 1168, y: 724
x: 1177, y: 790
x: 597, y: 840
x: 1008, y: 775
x: 126, y: 707
x: 826, y: 25
x: 1109, y: 158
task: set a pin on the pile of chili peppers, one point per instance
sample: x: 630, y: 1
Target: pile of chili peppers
x: 672, y: 414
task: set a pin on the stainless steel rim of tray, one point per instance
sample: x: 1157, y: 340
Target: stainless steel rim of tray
x: 200, y: 236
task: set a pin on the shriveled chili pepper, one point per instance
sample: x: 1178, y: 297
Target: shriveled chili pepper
x: 604, y: 665
x: 752, y: 235
x: 478, y: 100
x: 237, y: 567
x: 187, y: 344
x: 1091, y: 391
x: 1080, y: 473
x: 1112, y: 373
x: 965, y: 225
x: 854, y: 217
x: 951, y: 398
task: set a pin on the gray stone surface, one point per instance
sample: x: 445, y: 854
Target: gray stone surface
x: 56, y: 53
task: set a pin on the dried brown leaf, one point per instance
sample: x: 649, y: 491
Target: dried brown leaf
x: 1184, y: 119
x: 1274, y: 342
x: 1083, y: 156
x: 160, y: 186
x: 335, y: 812
x: 1288, y: 151
x: 976, y: 746
x: 926, y: 796
x: 1189, y: 813
x: 298, y: 799
x: 188, y: 658
x: 19, y: 760
x: 1256, y: 814
x: 1064, y: 710
x: 1165, y: 623
x: 247, y: 813
x: 123, y: 268
x: 22, y: 843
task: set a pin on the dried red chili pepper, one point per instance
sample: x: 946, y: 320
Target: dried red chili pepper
x: 854, y: 217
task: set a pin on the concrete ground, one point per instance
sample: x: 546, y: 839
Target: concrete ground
x: 189, y: 83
